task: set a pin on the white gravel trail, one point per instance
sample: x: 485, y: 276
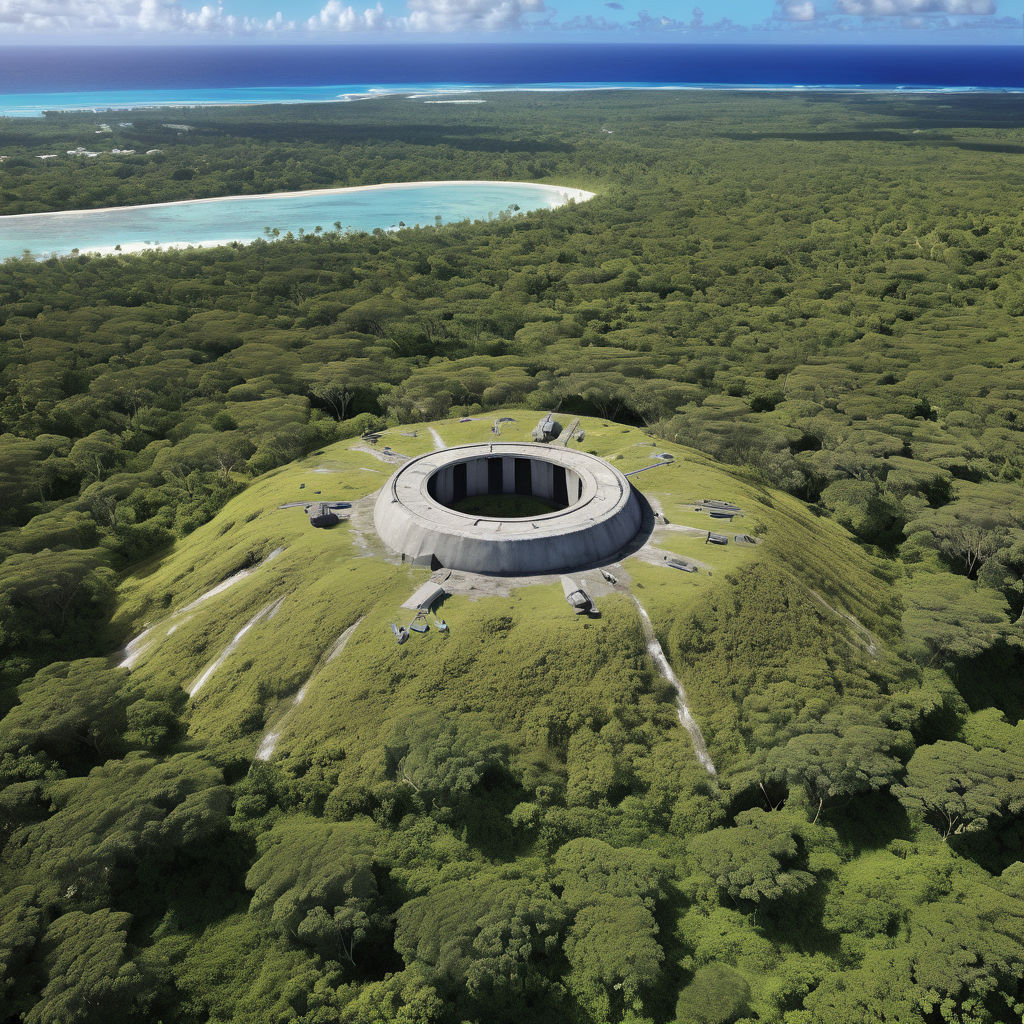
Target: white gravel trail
x: 269, y: 741
x: 686, y: 720
x: 266, y: 613
x: 145, y: 641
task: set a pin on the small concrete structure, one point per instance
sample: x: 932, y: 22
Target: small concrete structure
x: 425, y: 597
x: 596, y: 512
x: 547, y: 430
x: 322, y: 515
x: 579, y: 600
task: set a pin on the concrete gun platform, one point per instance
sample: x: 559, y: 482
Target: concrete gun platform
x: 595, y: 512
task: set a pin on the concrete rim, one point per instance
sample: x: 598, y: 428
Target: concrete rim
x: 605, y: 516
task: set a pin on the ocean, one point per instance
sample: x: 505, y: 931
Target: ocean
x: 34, y: 79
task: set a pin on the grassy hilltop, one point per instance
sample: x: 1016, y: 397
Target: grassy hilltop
x: 525, y: 748
x: 503, y: 654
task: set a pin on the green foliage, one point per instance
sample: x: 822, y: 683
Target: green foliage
x: 842, y: 762
x: 960, y: 960
x: 74, y: 712
x: 590, y: 870
x: 506, y: 823
x: 89, y: 976
x: 755, y: 859
x: 950, y: 618
x: 52, y: 600
x: 488, y: 939
x: 21, y: 927
x: 614, y: 956
x: 718, y: 994
x: 121, y: 815
x: 959, y: 789
x: 865, y: 510
x: 314, y: 884
x: 442, y: 761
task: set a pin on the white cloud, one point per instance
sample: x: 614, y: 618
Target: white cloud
x: 344, y: 18
x: 646, y: 22
x: 170, y: 16
x: 796, y: 10
x: 128, y: 16
x: 914, y: 8
x: 440, y: 16
x: 467, y: 15
x: 589, y: 23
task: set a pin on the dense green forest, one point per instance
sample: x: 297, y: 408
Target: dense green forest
x: 823, y: 293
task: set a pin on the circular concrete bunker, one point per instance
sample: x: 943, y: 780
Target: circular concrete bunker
x: 594, y: 509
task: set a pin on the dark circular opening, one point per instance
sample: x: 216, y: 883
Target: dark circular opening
x: 502, y: 486
x: 504, y: 506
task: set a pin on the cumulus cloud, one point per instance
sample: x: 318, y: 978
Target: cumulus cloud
x: 170, y: 16
x: 339, y: 17
x: 915, y: 8
x: 439, y: 16
x: 128, y: 16
x: 646, y: 22
x: 468, y: 15
x: 796, y: 10
x: 588, y: 23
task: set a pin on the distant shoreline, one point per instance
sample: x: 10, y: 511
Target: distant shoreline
x: 579, y: 195
x: 35, y: 105
x: 174, y: 76
x: 153, y: 226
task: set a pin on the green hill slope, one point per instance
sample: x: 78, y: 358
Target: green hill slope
x: 264, y: 809
x: 521, y: 658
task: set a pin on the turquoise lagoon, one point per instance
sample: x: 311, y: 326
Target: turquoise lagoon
x: 247, y: 218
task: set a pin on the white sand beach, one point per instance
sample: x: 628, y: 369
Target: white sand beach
x: 578, y: 195
x: 202, y: 223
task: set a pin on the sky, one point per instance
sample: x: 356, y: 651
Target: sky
x: 955, y: 22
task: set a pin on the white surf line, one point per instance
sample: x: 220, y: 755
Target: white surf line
x: 269, y: 741
x: 686, y: 720
x: 135, y: 648
x: 267, y: 612
x: 439, y: 444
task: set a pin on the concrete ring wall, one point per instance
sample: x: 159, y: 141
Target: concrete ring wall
x: 597, y: 511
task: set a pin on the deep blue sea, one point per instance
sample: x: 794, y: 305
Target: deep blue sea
x: 33, y: 79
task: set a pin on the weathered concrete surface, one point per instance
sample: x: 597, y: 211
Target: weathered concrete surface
x: 425, y: 597
x: 602, y: 514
